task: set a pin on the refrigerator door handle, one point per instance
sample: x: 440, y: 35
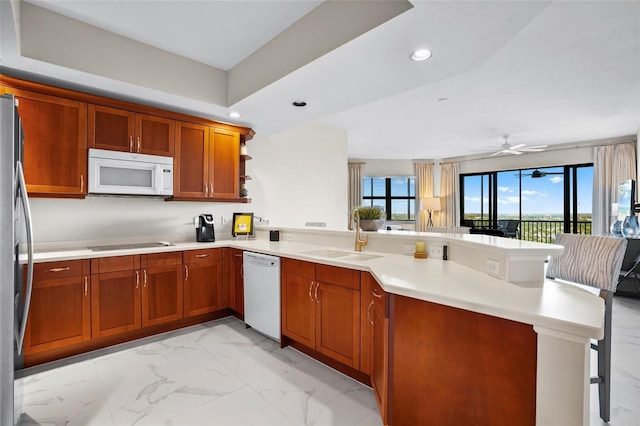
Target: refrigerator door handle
x: 22, y: 187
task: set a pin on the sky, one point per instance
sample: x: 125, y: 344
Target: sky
x: 543, y: 195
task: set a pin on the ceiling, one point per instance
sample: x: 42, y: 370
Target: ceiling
x: 542, y: 72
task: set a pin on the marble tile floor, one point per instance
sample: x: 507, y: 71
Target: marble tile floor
x: 221, y: 373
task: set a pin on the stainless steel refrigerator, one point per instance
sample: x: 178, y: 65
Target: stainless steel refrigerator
x: 16, y: 250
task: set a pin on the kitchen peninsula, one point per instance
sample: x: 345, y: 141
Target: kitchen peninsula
x: 507, y: 346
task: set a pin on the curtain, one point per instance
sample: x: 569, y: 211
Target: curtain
x: 424, y: 188
x: 612, y: 165
x: 355, y: 186
x: 449, y: 195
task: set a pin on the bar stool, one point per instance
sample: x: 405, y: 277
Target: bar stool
x: 593, y: 261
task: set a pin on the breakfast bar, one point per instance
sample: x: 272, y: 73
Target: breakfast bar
x: 461, y: 342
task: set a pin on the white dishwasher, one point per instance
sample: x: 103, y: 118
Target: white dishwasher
x: 262, y: 293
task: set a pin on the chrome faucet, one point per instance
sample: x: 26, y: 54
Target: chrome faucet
x: 355, y: 215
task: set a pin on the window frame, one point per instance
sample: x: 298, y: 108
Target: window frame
x: 368, y: 200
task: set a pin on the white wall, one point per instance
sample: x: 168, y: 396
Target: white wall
x: 298, y: 176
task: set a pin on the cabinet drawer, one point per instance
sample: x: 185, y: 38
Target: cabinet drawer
x: 113, y: 264
x: 298, y: 267
x: 204, y: 255
x: 63, y: 269
x: 343, y: 277
x: 161, y: 259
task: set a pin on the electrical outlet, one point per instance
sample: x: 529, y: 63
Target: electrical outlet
x: 493, y: 267
x: 288, y: 237
x: 408, y: 248
x: 435, y: 252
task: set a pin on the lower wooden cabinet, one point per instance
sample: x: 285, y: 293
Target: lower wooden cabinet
x: 161, y: 288
x: 202, y: 281
x: 129, y: 292
x: 321, y: 309
x: 60, y: 306
x: 236, y: 281
x: 379, y: 314
x: 115, y: 295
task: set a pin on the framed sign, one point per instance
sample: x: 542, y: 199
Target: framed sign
x: 242, y: 224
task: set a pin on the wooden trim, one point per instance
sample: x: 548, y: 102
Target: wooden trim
x: 247, y: 133
x: 209, y: 200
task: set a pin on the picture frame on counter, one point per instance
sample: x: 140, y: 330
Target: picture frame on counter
x: 242, y: 224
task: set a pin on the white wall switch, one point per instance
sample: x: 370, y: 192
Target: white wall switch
x: 493, y: 267
x: 288, y: 237
x: 408, y: 248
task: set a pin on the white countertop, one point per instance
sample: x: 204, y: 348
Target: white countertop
x: 558, y: 306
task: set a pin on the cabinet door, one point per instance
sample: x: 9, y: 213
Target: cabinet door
x: 298, y: 309
x: 380, y: 349
x: 366, y: 322
x: 55, y: 144
x: 59, y: 314
x: 224, y: 164
x: 110, y: 128
x: 191, y: 161
x: 338, y: 323
x: 154, y: 135
x: 161, y: 294
x: 202, y: 288
x: 115, y: 302
x: 237, y: 281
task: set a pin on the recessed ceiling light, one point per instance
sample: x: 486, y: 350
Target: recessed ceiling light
x: 421, y: 55
x: 234, y: 114
x: 299, y: 104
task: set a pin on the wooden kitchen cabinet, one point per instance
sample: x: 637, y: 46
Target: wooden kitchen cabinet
x: 115, y: 295
x: 162, y: 291
x: 60, y: 306
x: 366, y: 322
x: 237, y: 281
x: 321, y: 309
x: 120, y: 130
x: 206, y: 163
x: 202, y: 281
x: 55, y: 144
x: 379, y: 314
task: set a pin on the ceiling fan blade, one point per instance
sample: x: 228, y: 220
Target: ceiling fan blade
x: 517, y: 147
x: 511, y: 151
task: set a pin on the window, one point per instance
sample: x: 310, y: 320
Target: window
x: 396, y: 195
x: 545, y: 201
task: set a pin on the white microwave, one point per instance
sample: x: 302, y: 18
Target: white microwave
x: 114, y: 172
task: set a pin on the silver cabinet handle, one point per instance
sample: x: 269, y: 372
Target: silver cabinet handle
x: 202, y: 255
x: 86, y: 286
x: 317, y: 286
x: 375, y: 294
x: 58, y: 269
x: 186, y: 273
x: 310, y: 286
x: 242, y: 271
x: 137, y: 279
x: 211, y: 189
x: 130, y: 143
x: 369, y: 312
x: 206, y: 189
x: 144, y: 279
x: 81, y: 183
x: 138, y: 141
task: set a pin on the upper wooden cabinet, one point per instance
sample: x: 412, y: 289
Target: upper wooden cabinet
x: 206, y: 163
x: 55, y: 144
x: 121, y: 130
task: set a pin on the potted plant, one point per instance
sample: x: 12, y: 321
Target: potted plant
x: 371, y: 217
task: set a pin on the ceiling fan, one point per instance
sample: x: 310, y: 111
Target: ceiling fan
x: 519, y: 149
x: 538, y: 174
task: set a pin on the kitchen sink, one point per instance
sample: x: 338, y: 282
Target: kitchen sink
x: 350, y: 256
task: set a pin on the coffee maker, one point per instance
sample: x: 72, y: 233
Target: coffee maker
x: 204, y: 230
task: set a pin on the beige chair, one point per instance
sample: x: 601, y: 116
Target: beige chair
x: 593, y: 261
